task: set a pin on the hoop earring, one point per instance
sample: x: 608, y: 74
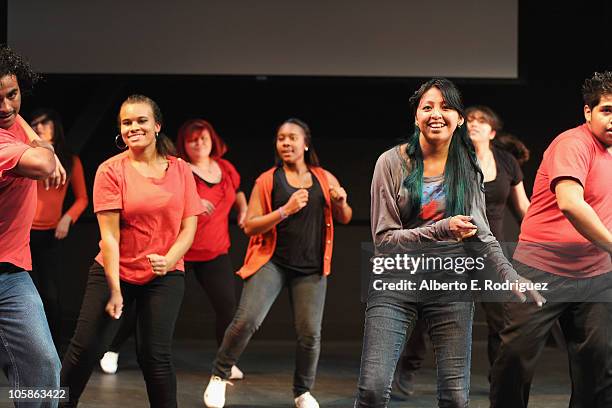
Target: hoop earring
x: 117, y: 139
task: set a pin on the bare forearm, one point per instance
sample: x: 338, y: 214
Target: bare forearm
x: 110, y: 256
x: 587, y: 223
x: 240, y: 205
x: 520, y: 201
x: 342, y: 213
x: 182, y: 244
x: 263, y: 223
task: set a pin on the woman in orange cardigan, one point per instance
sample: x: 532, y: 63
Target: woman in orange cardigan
x: 51, y: 225
x: 289, y: 220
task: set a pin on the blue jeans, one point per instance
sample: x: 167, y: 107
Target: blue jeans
x: 27, y: 353
x: 389, y: 319
x: 307, y: 296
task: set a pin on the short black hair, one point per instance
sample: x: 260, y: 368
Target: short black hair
x: 596, y: 86
x: 12, y: 63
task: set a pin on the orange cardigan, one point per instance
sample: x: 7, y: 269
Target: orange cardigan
x: 262, y: 246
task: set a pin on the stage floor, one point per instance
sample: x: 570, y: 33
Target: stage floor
x: 268, y: 368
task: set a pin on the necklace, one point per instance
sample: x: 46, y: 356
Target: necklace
x: 487, y: 165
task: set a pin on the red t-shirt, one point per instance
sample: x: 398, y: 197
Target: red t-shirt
x: 151, y: 211
x: 548, y: 241
x: 212, y: 237
x: 17, y: 200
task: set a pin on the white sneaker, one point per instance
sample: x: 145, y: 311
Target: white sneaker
x: 306, y: 400
x: 236, y: 374
x: 214, y: 396
x: 108, y: 363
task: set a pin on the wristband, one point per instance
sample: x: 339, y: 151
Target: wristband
x: 282, y: 213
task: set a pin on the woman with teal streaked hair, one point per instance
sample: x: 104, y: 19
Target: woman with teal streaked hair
x: 428, y: 191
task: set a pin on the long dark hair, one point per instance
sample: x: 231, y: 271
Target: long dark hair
x: 310, y: 156
x: 163, y: 144
x: 513, y: 145
x: 64, y: 154
x: 462, y: 174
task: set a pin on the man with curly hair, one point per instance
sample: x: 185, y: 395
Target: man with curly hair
x: 27, y: 354
x: 566, y: 241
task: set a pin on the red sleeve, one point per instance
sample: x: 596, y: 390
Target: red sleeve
x: 233, y: 174
x: 77, y: 182
x: 193, y: 203
x: 11, y: 151
x: 107, y: 188
x: 569, y: 158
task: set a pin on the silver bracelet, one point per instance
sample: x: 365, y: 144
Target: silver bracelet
x: 282, y: 213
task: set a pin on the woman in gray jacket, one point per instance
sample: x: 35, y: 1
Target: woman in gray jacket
x: 422, y: 192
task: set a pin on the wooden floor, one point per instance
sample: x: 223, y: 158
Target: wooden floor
x: 268, y: 368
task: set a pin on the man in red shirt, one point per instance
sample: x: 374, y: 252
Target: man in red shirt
x: 566, y: 241
x: 27, y: 353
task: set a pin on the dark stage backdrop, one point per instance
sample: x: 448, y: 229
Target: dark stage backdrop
x: 353, y: 119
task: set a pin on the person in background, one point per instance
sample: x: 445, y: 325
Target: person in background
x: 50, y: 223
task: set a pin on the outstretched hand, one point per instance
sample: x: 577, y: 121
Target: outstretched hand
x: 530, y: 295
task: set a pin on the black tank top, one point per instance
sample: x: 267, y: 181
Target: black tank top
x: 299, y: 238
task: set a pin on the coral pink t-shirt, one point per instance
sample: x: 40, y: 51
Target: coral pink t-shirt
x: 212, y: 237
x: 17, y: 200
x: 151, y: 211
x: 548, y: 241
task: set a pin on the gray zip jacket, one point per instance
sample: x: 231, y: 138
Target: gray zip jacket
x: 390, y: 212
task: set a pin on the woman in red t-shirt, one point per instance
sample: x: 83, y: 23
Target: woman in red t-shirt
x: 218, y: 185
x: 147, y: 206
x: 50, y: 225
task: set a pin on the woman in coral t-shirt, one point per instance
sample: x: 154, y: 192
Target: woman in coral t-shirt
x: 147, y: 206
x: 218, y: 185
x: 50, y: 225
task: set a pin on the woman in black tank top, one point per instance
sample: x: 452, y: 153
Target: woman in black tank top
x: 289, y: 220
